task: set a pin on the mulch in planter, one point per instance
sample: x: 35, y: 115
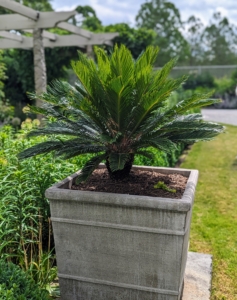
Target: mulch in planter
x: 138, y: 183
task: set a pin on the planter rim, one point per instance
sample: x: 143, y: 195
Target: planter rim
x: 57, y: 193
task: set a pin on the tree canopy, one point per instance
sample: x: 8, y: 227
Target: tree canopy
x: 164, y: 18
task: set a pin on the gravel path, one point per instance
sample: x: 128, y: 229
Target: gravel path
x: 226, y: 116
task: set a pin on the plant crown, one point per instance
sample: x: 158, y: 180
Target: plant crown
x: 117, y: 109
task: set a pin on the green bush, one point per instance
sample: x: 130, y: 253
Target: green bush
x: 15, y: 284
x: 204, y: 80
x: 226, y: 84
x: 160, y: 159
x: 25, y: 228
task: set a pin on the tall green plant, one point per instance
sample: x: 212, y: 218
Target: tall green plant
x: 117, y: 110
x: 25, y: 227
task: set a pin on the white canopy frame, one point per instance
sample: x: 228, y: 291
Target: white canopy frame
x: 35, y: 22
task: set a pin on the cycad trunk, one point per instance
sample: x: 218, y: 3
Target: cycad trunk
x: 121, y: 174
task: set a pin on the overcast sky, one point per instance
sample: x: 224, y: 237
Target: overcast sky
x: 117, y: 11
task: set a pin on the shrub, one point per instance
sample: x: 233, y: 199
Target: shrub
x: 118, y: 110
x: 204, y: 80
x: 25, y: 228
x: 226, y: 85
x: 15, y: 284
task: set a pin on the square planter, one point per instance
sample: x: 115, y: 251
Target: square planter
x: 116, y: 246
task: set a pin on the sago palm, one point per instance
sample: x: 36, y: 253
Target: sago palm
x: 118, y: 109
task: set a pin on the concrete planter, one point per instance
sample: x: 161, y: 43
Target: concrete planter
x: 115, y: 246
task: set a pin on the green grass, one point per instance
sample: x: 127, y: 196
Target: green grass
x: 214, y: 223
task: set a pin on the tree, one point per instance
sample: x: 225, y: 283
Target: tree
x: 164, y: 18
x: 136, y: 40
x: 219, y: 40
x: 89, y: 19
x: 40, y: 5
x: 194, y: 37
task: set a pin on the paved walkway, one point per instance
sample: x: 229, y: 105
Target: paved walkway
x: 226, y: 116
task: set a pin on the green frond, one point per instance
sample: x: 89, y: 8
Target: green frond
x: 83, y: 69
x: 145, y: 153
x: 161, y: 143
x: 164, y: 72
x: 89, y: 167
x: 184, y: 105
x: 195, y: 135
x: 117, y: 161
x: 189, y: 122
x: 143, y: 113
x: 41, y: 148
x: 122, y: 64
x: 181, y: 125
x: 146, y: 58
x: 76, y: 147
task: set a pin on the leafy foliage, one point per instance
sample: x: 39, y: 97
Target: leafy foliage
x: 219, y: 40
x: 15, y: 284
x: 89, y: 20
x: 118, y: 108
x: 6, y: 110
x: 164, y: 18
x: 20, y: 72
x: 25, y: 228
x: 163, y: 186
x: 204, y: 80
x: 135, y: 39
x: 194, y: 31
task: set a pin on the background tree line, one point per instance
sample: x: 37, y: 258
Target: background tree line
x: 158, y: 22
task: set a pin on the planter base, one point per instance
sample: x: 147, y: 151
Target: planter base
x: 197, y: 279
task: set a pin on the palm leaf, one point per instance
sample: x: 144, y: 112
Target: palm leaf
x: 145, y: 153
x: 117, y: 161
x: 41, y: 148
x: 89, y: 167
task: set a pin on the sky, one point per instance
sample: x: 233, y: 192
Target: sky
x: 117, y: 11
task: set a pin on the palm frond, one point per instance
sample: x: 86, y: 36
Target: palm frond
x: 122, y: 64
x: 71, y: 129
x: 89, y: 167
x: 195, y: 135
x: 117, y: 161
x: 41, y: 148
x: 75, y: 147
x: 161, y: 143
x: 145, y: 153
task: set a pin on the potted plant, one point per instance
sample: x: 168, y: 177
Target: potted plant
x: 114, y: 245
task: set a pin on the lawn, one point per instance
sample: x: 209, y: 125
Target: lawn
x: 214, y: 223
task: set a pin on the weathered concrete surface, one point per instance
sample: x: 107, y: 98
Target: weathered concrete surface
x: 225, y: 116
x: 115, y: 246
x: 197, y: 278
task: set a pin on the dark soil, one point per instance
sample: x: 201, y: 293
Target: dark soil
x: 138, y: 183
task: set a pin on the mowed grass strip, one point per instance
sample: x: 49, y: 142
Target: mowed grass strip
x: 214, y: 222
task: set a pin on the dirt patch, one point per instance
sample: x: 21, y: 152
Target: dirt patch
x: 138, y: 183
